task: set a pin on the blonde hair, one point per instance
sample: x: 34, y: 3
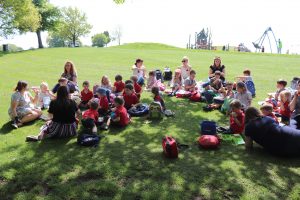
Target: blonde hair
x: 105, y: 77
x: 286, y: 94
x: 267, y: 107
x: 44, y: 84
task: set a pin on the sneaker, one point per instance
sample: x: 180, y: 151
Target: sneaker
x: 15, y: 125
x: 32, y: 139
x: 104, y: 127
x: 207, y: 108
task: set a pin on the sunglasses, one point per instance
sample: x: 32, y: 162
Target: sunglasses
x: 184, y: 61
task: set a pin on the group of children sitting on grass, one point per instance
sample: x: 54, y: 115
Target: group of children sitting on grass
x: 107, y: 104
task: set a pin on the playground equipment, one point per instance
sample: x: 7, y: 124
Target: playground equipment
x: 202, y: 40
x: 258, y: 44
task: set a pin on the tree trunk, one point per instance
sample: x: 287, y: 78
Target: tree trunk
x: 38, y: 33
x: 74, y: 40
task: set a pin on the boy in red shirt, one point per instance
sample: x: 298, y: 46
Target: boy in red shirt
x: 90, y: 117
x: 157, y: 97
x: 118, y: 85
x: 119, y: 116
x: 129, y: 97
x: 86, y: 95
x: 103, y: 101
x: 267, y: 110
x: 137, y: 88
x: 237, y: 118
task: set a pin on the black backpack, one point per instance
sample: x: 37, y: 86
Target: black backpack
x: 88, y: 140
x: 167, y: 74
x: 159, y: 75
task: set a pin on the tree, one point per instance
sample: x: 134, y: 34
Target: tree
x: 101, y: 39
x: 55, y: 40
x: 18, y: 15
x: 117, y: 34
x: 73, y: 25
x: 50, y: 16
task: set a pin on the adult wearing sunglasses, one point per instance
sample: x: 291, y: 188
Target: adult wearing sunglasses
x: 185, y: 68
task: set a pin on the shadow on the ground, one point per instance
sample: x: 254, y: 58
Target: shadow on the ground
x: 129, y: 164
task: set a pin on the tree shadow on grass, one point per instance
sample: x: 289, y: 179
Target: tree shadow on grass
x: 129, y: 164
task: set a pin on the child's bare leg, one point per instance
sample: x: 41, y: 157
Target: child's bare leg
x: 94, y: 130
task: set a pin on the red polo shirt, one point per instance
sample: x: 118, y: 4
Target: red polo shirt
x: 130, y: 100
x: 122, y: 113
x: 234, y: 126
x: 119, y: 86
x: 86, y: 96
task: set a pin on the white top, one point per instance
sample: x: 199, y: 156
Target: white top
x: 139, y: 72
x: 245, y: 98
x: 185, y: 72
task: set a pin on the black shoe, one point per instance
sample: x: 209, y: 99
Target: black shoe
x: 104, y: 127
x: 15, y: 125
x: 32, y: 139
x: 207, y: 108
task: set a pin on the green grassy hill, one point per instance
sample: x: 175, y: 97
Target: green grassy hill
x: 129, y: 164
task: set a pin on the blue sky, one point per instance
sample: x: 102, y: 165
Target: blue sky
x: 172, y: 21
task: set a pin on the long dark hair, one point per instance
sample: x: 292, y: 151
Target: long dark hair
x: 62, y: 96
x: 21, y: 85
x: 251, y: 114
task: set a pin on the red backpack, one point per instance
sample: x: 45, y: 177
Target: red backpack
x: 209, y: 141
x: 195, y: 96
x: 170, y: 147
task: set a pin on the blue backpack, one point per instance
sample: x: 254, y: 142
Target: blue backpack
x: 88, y: 140
x: 208, y: 128
x: 140, y: 110
x: 251, y: 87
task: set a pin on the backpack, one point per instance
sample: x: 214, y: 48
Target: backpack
x: 195, y: 96
x: 208, y: 128
x: 183, y: 94
x: 170, y: 147
x: 155, y: 110
x: 225, y: 108
x: 159, y: 75
x: 88, y: 140
x: 209, y: 141
x: 167, y: 74
x: 140, y: 110
x: 251, y: 87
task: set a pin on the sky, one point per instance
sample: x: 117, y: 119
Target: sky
x: 172, y: 21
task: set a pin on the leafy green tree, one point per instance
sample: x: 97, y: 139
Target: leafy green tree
x: 50, y: 16
x: 101, y: 39
x: 18, y: 15
x: 73, y: 25
x: 55, y: 40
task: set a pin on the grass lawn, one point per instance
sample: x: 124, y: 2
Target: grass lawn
x: 128, y: 164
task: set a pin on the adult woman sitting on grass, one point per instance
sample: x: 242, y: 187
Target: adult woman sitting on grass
x: 62, y: 110
x: 279, y: 140
x: 20, y: 110
x: 70, y: 74
x: 139, y: 70
x: 217, y: 66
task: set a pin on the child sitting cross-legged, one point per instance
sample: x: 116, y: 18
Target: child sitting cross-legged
x: 285, y: 111
x: 119, y: 116
x: 246, y: 76
x: 190, y: 83
x: 176, y: 82
x: 237, y: 118
x: 137, y: 88
x: 131, y: 100
x: 243, y: 95
x: 86, y: 95
x: 267, y: 110
x: 103, y: 101
x: 44, y: 95
x: 226, y: 93
x: 90, y: 116
x: 216, y: 82
x: 119, y: 85
x: 158, y: 98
